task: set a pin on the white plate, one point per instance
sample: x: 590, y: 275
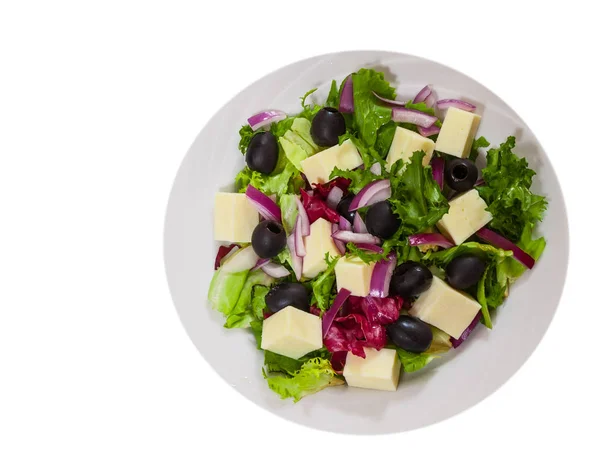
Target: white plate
x: 450, y: 385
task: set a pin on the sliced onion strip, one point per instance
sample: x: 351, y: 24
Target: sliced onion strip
x: 436, y: 239
x: 351, y: 237
x: 382, y: 274
x: 390, y: 102
x: 265, y: 117
x: 416, y: 117
x: 267, y: 208
x: 334, y: 197
x: 423, y: 94
x: 275, y: 270
x: 347, y: 96
x: 374, y: 192
x: 330, y: 314
x: 455, y: 103
x: 498, y: 240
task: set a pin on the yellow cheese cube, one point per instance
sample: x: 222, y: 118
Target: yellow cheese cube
x: 343, y: 156
x: 445, y: 308
x: 317, y: 244
x: 380, y: 370
x: 466, y: 215
x: 457, y: 133
x: 235, y: 218
x: 292, y: 333
x: 405, y: 143
x: 354, y: 275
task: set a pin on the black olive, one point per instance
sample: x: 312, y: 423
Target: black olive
x: 381, y: 221
x: 465, y: 271
x: 262, y: 153
x: 268, y: 239
x: 410, y: 279
x: 410, y: 334
x: 286, y: 294
x: 327, y: 126
x: 342, y: 207
x: 461, y: 174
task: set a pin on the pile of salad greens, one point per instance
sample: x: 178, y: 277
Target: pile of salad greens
x: 417, y: 199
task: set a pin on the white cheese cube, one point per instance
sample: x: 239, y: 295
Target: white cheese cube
x: 235, y: 218
x: 405, y: 143
x: 343, y: 156
x: 354, y: 275
x: 466, y: 215
x: 317, y: 244
x: 380, y: 370
x: 292, y: 333
x: 457, y: 133
x: 445, y: 308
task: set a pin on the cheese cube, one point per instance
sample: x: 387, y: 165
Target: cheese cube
x: 466, y: 215
x: 445, y: 308
x: 380, y: 370
x: 292, y: 333
x: 317, y: 244
x: 343, y: 156
x: 457, y: 133
x: 235, y: 218
x: 405, y: 143
x: 354, y: 275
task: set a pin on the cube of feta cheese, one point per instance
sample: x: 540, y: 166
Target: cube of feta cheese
x: 380, y: 370
x: 466, y: 215
x: 457, y: 133
x: 445, y: 308
x: 234, y: 218
x: 354, y: 275
x: 317, y: 244
x: 405, y: 143
x: 343, y: 156
x: 292, y: 333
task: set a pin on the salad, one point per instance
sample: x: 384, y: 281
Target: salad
x: 363, y: 240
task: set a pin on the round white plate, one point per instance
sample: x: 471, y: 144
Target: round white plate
x: 450, y: 385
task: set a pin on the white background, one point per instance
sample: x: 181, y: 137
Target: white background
x: 99, y: 102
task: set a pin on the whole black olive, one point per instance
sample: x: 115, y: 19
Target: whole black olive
x: 262, y: 153
x: 410, y: 334
x: 327, y: 126
x: 268, y: 239
x: 461, y: 174
x: 381, y: 221
x: 342, y: 207
x: 465, y: 271
x: 286, y: 294
x: 410, y: 279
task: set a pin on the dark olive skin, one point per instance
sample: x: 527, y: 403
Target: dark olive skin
x: 262, y: 153
x: 381, y: 221
x: 465, y: 271
x: 410, y: 279
x: 461, y: 174
x: 286, y: 294
x: 410, y: 334
x: 268, y: 239
x: 327, y: 126
x: 342, y: 207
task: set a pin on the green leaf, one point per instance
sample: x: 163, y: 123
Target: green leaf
x: 257, y: 327
x: 246, y: 134
x: 314, y: 375
x: 510, y: 269
x: 486, y: 251
x: 258, y: 303
x: 506, y: 192
x: 412, y: 361
x: 416, y: 197
x: 385, y: 136
x: 478, y: 144
x: 368, y: 113
x: 283, y: 180
x: 365, y: 256
x: 333, y: 98
x: 295, y: 148
x: 289, y: 211
x: 301, y: 126
x: 225, y: 289
x: 243, y: 312
x: 323, y: 284
x: 359, y: 178
x: 482, y: 299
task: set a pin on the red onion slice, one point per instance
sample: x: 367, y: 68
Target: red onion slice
x: 345, y: 224
x: 455, y: 103
x: 341, y: 246
x: 330, y: 314
x: 436, y: 239
x: 431, y: 100
x: 265, y: 117
x: 372, y: 193
x: 423, y: 94
x: 382, y: 274
x: 298, y: 238
x: 437, y: 169
x: 265, y: 206
x: 416, y: 117
x: 334, y: 197
x: 498, y: 240
x: 275, y: 270
x: 390, y: 102
x: 428, y: 131
x: 359, y: 225
x: 303, y: 215
x: 347, y: 96
x: 260, y: 263
x: 370, y: 247
x: 351, y: 237
x: 296, y: 259
x: 479, y: 182
x: 376, y: 168
x: 224, y: 253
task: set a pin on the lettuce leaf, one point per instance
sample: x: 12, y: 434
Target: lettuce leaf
x: 323, y: 284
x: 510, y: 269
x: 478, y: 144
x: 246, y: 134
x: 412, y: 361
x: 225, y: 289
x: 385, y: 136
x: 289, y: 211
x: 333, y: 98
x: 244, y: 310
x: 314, y: 375
x: 506, y: 191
